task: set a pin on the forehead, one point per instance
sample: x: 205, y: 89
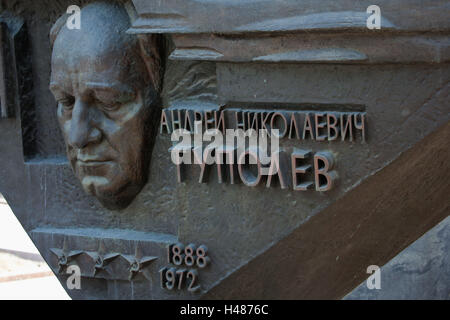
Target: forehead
x: 92, y: 66
x: 98, y: 52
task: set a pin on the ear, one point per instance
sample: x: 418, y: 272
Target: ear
x: 150, y: 47
x: 54, y: 31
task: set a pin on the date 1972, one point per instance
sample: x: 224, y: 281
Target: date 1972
x: 182, y: 256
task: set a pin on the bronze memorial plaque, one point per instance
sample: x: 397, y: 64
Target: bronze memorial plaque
x: 227, y: 149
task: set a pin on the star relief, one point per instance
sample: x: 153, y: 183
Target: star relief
x: 101, y: 258
x: 64, y: 255
x: 138, y: 262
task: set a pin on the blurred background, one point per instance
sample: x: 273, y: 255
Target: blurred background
x: 24, y: 274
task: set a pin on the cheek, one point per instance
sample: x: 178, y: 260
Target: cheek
x: 64, y: 125
x: 126, y: 128
x: 129, y: 141
x: 62, y: 117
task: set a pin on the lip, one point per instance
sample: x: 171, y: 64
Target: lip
x: 91, y: 158
x: 93, y: 161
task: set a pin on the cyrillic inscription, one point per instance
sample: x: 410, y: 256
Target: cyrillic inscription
x: 301, y: 125
x: 243, y: 153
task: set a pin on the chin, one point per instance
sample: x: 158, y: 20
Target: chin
x: 114, y: 194
x: 115, y: 203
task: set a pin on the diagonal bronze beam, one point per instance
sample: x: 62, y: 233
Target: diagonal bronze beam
x: 328, y: 256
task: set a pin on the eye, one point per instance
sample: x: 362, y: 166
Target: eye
x: 67, y: 102
x: 107, y: 107
x: 110, y: 100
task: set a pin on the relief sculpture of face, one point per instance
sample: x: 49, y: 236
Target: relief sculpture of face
x: 106, y: 99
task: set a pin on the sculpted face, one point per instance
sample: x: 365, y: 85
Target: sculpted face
x: 104, y: 104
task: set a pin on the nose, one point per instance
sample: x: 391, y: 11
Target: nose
x: 82, y: 131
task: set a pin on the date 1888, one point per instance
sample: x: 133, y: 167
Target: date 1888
x: 186, y: 259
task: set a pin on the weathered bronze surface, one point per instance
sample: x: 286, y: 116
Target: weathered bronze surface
x: 86, y: 142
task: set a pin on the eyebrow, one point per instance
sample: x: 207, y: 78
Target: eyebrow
x: 119, y: 87
x: 116, y: 87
